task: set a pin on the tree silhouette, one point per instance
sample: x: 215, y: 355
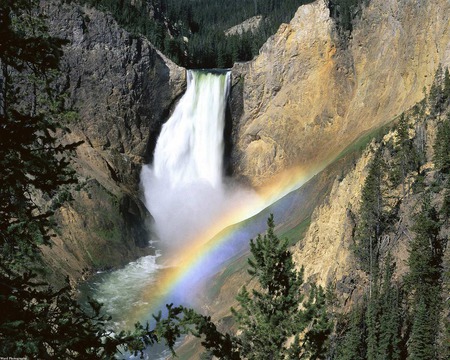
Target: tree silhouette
x: 37, y: 321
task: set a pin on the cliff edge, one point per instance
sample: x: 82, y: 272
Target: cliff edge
x: 121, y: 90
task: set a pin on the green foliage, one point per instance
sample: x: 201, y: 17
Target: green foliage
x: 406, y: 156
x: 269, y: 316
x: 372, y: 314
x: 316, y: 340
x: 60, y: 198
x: 353, y: 346
x: 422, y: 342
x: 447, y: 86
x: 192, y: 33
x: 372, y: 216
x: 383, y: 317
x: 423, y: 279
x: 37, y: 321
x: 346, y: 11
x: 32, y: 158
x: 390, y: 322
x: 425, y: 250
x: 266, y: 317
x: 374, y: 328
x: 403, y: 318
x: 439, y: 97
x: 445, y: 209
x: 442, y: 146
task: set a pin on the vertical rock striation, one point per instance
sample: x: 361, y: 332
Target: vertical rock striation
x: 309, y: 94
x: 122, y: 89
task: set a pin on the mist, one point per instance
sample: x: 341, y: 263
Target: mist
x: 184, y: 188
x: 184, y: 212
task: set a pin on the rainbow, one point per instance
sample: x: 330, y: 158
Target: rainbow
x: 204, y: 256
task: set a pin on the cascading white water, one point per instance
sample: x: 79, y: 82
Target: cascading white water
x: 185, y: 192
x: 190, y: 146
x: 184, y: 188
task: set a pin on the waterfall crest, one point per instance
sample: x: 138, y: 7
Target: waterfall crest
x: 190, y: 146
x: 184, y: 187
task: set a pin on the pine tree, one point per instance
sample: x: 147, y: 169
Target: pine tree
x: 37, y: 321
x: 425, y: 252
x: 390, y: 322
x: 32, y: 159
x: 447, y: 86
x: 406, y: 156
x: 353, y: 346
x: 422, y: 341
x: 424, y: 280
x: 442, y: 146
x: 445, y: 208
x: 372, y: 316
x: 372, y: 217
x: 268, y: 317
x: 316, y: 339
x: 436, y: 97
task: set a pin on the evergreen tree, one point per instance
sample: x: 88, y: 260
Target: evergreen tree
x: 374, y: 328
x: 32, y: 159
x: 406, y: 157
x: 436, y: 97
x: 442, y: 146
x: 447, y: 86
x: 316, y: 340
x: 389, y: 321
x: 424, y: 280
x: 422, y: 340
x: 372, y: 217
x: 372, y: 320
x: 425, y: 252
x: 37, y: 321
x: 268, y: 317
x: 445, y: 209
x: 353, y: 346
x: 203, y: 23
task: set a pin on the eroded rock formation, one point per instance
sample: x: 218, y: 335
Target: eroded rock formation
x: 122, y: 89
x: 309, y: 94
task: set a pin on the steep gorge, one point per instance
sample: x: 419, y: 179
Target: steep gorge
x: 306, y: 97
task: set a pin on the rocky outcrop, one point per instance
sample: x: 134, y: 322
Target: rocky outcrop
x: 121, y: 89
x: 308, y: 94
x: 325, y: 251
x: 250, y: 24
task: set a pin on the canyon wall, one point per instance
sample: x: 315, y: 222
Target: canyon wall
x: 310, y: 93
x: 121, y: 89
x: 306, y: 97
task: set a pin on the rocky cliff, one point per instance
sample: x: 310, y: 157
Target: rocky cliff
x: 122, y: 90
x: 328, y: 249
x: 325, y: 251
x: 309, y: 93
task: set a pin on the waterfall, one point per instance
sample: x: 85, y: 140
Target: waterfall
x: 184, y: 187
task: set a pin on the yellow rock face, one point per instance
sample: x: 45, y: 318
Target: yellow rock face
x: 325, y: 251
x: 308, y: 95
